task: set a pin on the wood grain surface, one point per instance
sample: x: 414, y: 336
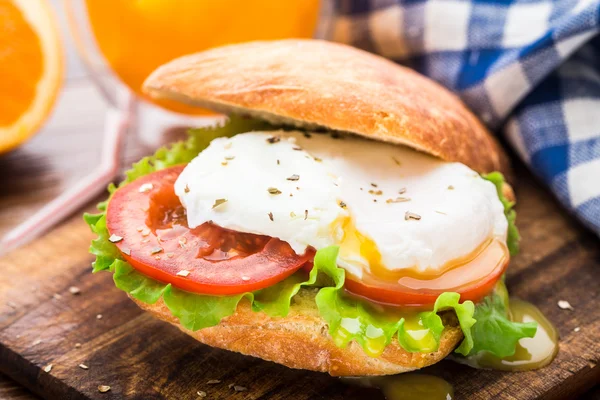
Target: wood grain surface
x: 11, y: 390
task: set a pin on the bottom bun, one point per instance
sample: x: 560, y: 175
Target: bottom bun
x: 301, y: 340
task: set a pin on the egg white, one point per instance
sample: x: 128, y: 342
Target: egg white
x: 311, y: 189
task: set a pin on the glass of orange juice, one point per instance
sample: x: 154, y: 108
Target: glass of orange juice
x: 123, y: 41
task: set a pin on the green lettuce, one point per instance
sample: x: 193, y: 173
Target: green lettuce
x: 494, y: 332
x: 348, y: 318
x: 351, y: 319
x: 513, y: 237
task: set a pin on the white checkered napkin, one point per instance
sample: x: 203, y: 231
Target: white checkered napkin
x: 529, y: 68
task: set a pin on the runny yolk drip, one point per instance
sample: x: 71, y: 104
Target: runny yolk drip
x: 375, y: 340
x: 415, y: 333
x: 407, y: 386
x: 354, y: 240
x: 486, y: 262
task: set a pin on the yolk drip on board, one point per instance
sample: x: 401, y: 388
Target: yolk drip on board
x: 531, y: 353
x: 407, y: 386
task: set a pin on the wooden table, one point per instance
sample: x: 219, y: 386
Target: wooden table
x: 68, y: 147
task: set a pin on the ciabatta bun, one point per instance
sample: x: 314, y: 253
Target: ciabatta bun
x: 318, y: 84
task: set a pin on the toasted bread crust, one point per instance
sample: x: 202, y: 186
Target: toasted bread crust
x: 301, y: 340
x: 318, y: 84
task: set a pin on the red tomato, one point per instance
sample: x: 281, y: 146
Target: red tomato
x: 208, y: 259
x: 473, y: 278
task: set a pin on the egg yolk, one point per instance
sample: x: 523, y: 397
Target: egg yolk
x: 454, y: 275
x: 354, y: 243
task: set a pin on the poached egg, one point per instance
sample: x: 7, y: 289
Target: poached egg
x: 388, y: 207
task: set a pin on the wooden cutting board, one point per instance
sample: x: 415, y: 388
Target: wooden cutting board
x: 41, y: 323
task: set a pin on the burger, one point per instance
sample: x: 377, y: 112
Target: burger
x: 351, y: 216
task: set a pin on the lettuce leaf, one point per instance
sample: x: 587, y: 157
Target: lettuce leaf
x: 464, y: 312
x: 197, y: 311
x: 348, y: 318
x: 139, y: 286
x: 494, y: 332
x: 101, y: 247
x: 513, y: 237
x: 373, y: 328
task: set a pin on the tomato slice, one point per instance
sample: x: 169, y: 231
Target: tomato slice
x: 208, y: 259
x: 473, y: 278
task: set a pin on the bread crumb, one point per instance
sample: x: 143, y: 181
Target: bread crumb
x: 103, y: 388
x: 565, y: 305
x: 74, y: 290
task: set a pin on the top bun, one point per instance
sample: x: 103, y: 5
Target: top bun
x: 316, y: 84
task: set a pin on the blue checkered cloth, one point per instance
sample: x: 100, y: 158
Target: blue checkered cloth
x: 529, y: 68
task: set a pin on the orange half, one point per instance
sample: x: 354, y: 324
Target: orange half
x: 32, y: 60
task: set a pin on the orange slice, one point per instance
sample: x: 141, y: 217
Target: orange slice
x: 31, y: 59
